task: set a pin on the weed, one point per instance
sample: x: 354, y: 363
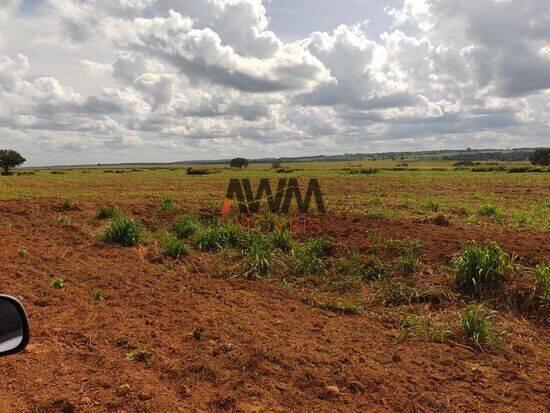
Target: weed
x: 210, y: 238
x: 408, y: 262
x: 282, y: 240
x: 123, y: 231
x: 22, y: 252
x: 259, y: 256
x: 57, y: 283
x: 351, y: 271
x: 173, y: 247
x: 63, y: 220
x: 107, y: 211
x: 425, y: 327
x: 377, y: 214
x: 489, y: 210
x: 97, y: 295
x: 235, y: 235
x: 542, y: 280
x: 339, y: 306
x: 139, y: 355
x: 186, y: 225
x: 68, y: 205
x: 480, y: 268
x: 407, y: 245
x: 478, y: 329
x: 166, y: 205
x: 433, y: 205
x: 320, y: 247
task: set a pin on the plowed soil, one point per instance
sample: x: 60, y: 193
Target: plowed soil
x: 210, y: 344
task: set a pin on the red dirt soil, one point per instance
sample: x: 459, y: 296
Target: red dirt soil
x: 238, y: 345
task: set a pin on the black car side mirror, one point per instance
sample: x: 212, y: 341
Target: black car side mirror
x: 14, y: 326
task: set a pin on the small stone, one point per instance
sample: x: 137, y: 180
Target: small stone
x: 332, y: 391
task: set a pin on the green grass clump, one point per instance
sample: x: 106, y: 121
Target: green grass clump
x: 489, y: 210
x: 478, y: 329
x: 97, y: 295
x: 352, y: 270
x: 542, y: 280
x: 408, y: 262
x: 57, y: 283
x: 235, y: 235
x: 173, y: 247
x: 166, y: 205
x: 186, y: 226
x: 211, y: 238
x: 282, y: 240
x: 124, y: 231
x: 259, y: 256
x: 433, y: 205
x: 309, y: 256
x: 481, y: 269
x: 107, y: 211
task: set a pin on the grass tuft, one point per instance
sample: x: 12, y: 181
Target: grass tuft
x: 166, y: 205
x: 282, y: 240
x: 186, y: 226
x: 107, y: 211
x: 489, y: 210
x: 57, y: 283
x: 481, y: 269
x: 542, y: 280
x: 124, y: 231
x: 478, y: 329
x: 173, y: 247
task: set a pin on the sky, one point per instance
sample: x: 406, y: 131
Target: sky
x: 104, y: 81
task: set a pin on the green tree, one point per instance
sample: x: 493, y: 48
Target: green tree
x: 541, y: 157
x: 238, y: 163
x: 9, y: 159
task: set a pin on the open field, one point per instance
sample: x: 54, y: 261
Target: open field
x: 366, y: 308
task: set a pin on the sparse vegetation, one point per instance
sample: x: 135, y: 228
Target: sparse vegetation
x: 478, y: 328
x: 107, y: 211
x: 63, y: 220
x: 282, y: 240
x: 425, y: 327
x: 489, y: 210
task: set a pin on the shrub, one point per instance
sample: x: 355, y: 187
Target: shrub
x: 489, y: 210
x: 174, y: 247
x: 364, y: 171
x: 123, y: 231
x: 107, y: 211
x: 478, y: 329
x: 282, y: 240
x: 542, y: 280
x: 480, y: 268
x: 57, y: 283
x: 186, y: 226
x: 166, y: 205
